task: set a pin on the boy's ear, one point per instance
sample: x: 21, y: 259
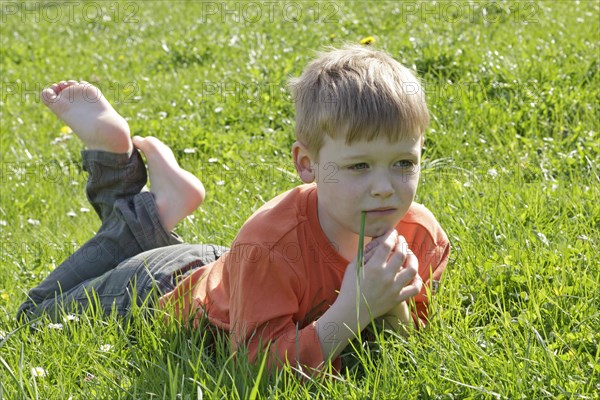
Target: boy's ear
x: 303, y: 161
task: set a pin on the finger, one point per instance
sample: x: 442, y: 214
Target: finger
x: 398, y: 256
x: 376, y: 241
x: 371, y: 247
x: 403, y: 246
x: 408, y: 292
x: 370, y: 250
x: 382, y: 251
x: 404, y: 278
x: 411, y: 290
x: 411, y: 261
x: 411, y: 269
x: 417, y: 282
x: 368, y: 254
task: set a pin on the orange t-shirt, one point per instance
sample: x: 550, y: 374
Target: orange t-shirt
x: 282, y: 273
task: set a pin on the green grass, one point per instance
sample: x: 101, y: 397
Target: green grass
x: 510, y: 171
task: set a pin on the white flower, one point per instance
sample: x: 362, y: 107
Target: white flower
x: 38, y: 372
x: 70, y: 317
x: 55, y: 326
x: 542, y: 238
x: 106, y: 347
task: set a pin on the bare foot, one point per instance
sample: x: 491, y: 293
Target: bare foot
x: 82, y: 106
x: 176, y: 191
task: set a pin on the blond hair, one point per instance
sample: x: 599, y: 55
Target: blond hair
x: 358, y: 93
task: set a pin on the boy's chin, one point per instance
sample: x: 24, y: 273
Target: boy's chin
x: 375, y: 232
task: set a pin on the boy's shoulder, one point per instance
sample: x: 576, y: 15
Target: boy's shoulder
x: 279, y: 216
x: 419, y: 219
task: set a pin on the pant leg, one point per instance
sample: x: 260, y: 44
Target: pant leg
x: 133, y: 280
x: 130, y: 224
x: 112, y: 176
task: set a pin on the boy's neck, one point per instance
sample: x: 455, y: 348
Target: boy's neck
x: 348, y: 248
x: 344, y: 241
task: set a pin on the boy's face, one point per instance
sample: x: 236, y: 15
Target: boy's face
x: 378, y: 177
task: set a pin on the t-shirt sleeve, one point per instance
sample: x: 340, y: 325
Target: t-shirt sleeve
x: 433, y: 259
x: 265, y: 297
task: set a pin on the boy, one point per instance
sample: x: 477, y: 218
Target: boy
x: 287, y: 284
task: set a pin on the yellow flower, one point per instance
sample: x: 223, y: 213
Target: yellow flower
x: 368, y: 40
x: 65, y: 130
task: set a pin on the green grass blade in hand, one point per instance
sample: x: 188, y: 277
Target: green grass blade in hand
x: 361, y: 242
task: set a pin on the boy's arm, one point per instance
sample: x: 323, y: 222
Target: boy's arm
x: 265, y: 295
x: 389, y: 277
x: 398, y: 319
x: 264, y: 300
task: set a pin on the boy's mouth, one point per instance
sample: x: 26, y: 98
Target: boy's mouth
x: 382, y: 211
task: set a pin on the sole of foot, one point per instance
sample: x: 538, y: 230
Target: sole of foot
x: 177, y: 192
x: 83, y: 107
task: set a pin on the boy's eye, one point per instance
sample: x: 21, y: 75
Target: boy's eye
x: 359, y: 166
x: 405, y: 164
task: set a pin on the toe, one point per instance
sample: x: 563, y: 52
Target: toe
x: 48, y: 95
x: 153, y: 141
x: 137, y: 141
x: 144, y: 144
x: 147, y: 143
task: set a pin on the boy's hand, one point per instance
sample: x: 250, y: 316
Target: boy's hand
x: 389, y: 277
x: 398, y: 319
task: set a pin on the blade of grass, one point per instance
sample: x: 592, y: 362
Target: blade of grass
x: 360, y: 264
x: 361, y: 242
x: 254, y: 391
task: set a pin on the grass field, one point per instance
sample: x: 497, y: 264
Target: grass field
x: 510, y: 171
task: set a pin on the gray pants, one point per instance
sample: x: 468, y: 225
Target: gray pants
x: 130, y: 256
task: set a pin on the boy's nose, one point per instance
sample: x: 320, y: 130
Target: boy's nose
x: 382, y: 188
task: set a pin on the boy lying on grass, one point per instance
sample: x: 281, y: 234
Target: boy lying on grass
x: 289, y: 280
